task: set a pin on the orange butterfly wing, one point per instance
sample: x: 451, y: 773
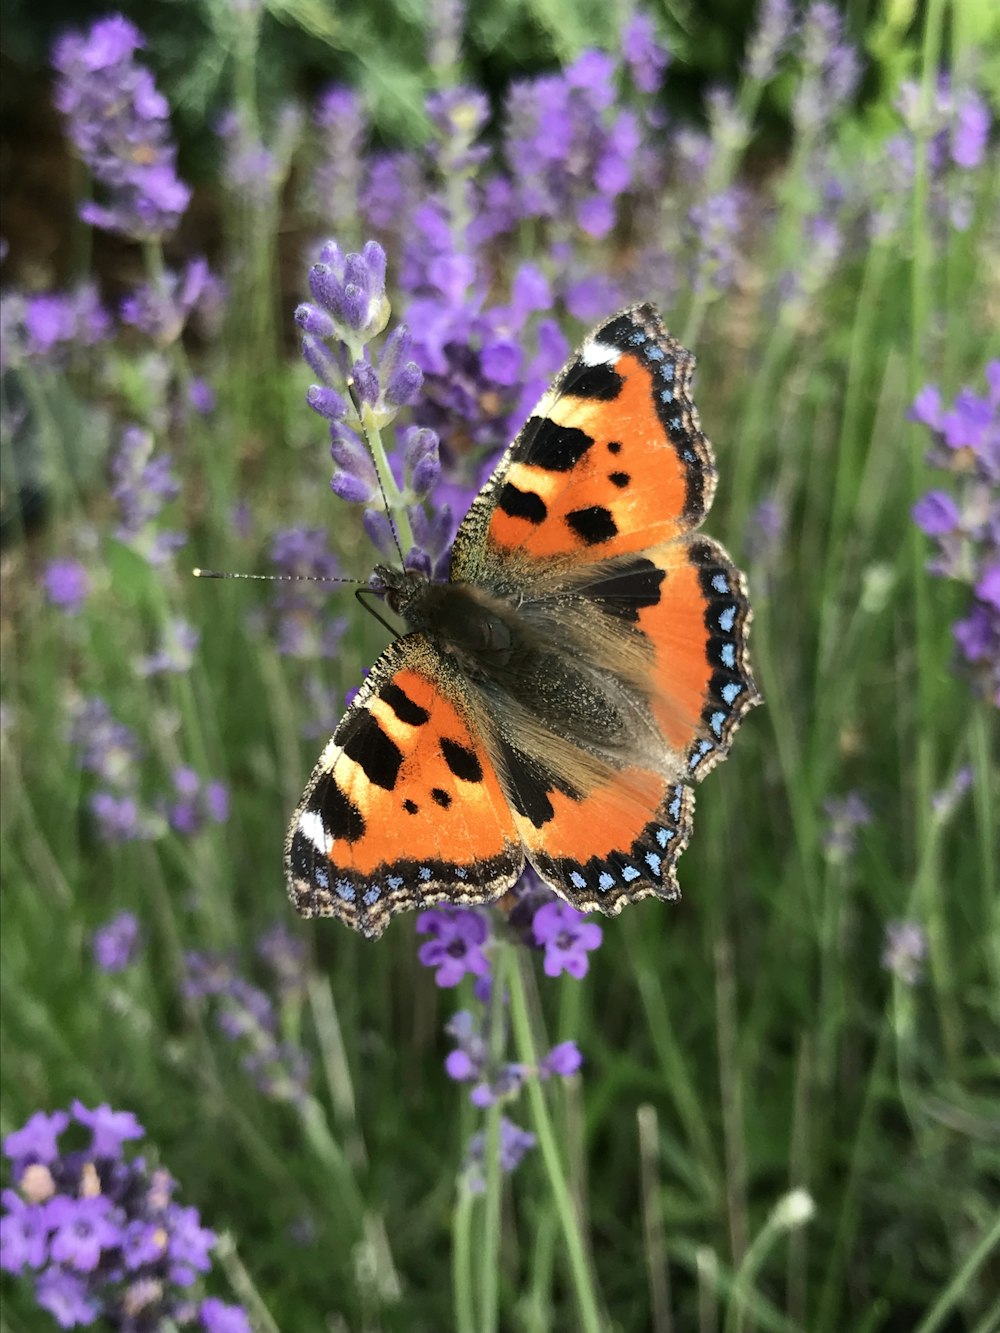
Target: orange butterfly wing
x: 404, y: 808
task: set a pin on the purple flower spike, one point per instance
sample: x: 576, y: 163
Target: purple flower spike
x: 66, y: 585
x: 567, y: 938
x: 646, y: 58
x: 116, y: 943
x: 905, y: 950
x: 515, y: 1143
x: 119, y: 124
x: 563, y: 1060
x: 456, y: 945
x: 351, y: 290
x: 421, y: 460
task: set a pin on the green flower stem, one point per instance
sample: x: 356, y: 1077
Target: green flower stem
x: 579, y: 1266
x: 959, y: 1284
x: 742, y: 1289
x: 489, y: 1265
x: 243, y: 1285
x: 393, y: 495
x: 461, y: 1264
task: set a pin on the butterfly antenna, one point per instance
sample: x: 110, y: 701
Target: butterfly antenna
x: 378, y: 475
x: 273, y: 578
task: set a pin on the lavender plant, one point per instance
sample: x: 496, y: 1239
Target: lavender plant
x: 100, y: 1232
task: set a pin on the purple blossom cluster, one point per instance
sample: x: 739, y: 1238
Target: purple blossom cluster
x: 963, y: 521
x: 196, y: 801
x: 111, y: 752
x: 163, y: 308
x: 246, y: 1016
x: 905, y: 951
x: 254, y: 171
x: 956, y: 130
x: 143, y: 482
x: 100, y: 1234
x: 458, y: 944
x: 119, y: 125
x: 844, y: 816
x: 51, y: 328
x: 117, y: 943
x: 67, y: 585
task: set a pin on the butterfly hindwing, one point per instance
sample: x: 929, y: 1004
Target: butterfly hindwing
x: 404, y: 807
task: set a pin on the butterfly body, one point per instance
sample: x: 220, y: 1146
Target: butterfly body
x: 555, y: 699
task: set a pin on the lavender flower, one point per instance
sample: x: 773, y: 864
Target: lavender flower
x: 106, y: 747
x: 515, y: 1143
x: 456, y: 944
x: 351, y: 304
x: 66, y: 585
x: 336, y: 184
x: 143, y: 482
x: 162, y: 309
x: 175, y: 653
x: 119, y: 125
x: 253, y: 170
x: 99, y: 1234
x: 196, y: 801
x: 563, y: 1060
x: 110, y: 751
x: 944, y: 801
x: 245, y: 1015
x: 964, y: 524
x: 51, y: 328
x: 646, y: 58
x: 769, y: 39
x: 470, y: 1062
x: 285, y: 955
x: 845, y: 815
x: 905, y: 950
x: 218, y: 1317
x: 567, y: 937
x: 829, y: 69
x: 116, y: 943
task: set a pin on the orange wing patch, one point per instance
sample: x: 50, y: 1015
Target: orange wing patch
x: 615, y: 844
x: 404, y: 807
x: 612, y: 461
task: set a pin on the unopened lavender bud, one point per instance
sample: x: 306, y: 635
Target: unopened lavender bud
x: 418, y: 560
x: 327, y: 402
x: 355, y: 307
x: 320, y: 359
x: 350, y: 488
x: 365, y: 382
x: 404, y: 385
x: 380, y: 532
x: 326, y: 289
x: 421, y: 463
x: 312, y: 320
x: 374, y: 257
x: 331, y: 254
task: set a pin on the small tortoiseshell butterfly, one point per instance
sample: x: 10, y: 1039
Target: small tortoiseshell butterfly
x: 584, y: 664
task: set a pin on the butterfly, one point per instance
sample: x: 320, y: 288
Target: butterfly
x: 557, y: 697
